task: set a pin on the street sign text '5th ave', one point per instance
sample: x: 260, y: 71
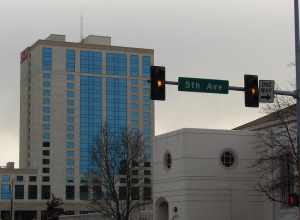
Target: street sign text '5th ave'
x: 203, y: 85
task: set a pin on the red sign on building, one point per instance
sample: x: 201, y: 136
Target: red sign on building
x: 24, y: 55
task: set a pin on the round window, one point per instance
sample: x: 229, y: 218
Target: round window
x: 227, y: 158
x: 168, y: 160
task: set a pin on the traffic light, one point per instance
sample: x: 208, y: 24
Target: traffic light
x: 293, y: 199
x: 251, y: 91
x: 158, y: 83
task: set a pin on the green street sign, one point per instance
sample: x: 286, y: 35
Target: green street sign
x: 203, y: 85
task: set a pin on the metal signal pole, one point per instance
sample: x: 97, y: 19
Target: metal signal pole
x: 297, y: 66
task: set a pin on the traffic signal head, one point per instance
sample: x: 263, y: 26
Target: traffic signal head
x: 293, y: 199
x: 158, y: 83
x: 251, y: 91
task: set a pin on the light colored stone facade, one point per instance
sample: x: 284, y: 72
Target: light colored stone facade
x: 197, y: 185
x: 31, y: 104
x: 31, y: 114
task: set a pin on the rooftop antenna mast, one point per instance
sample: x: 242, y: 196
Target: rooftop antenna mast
x: 81, y: 26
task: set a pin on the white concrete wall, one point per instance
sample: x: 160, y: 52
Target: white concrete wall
x: 198, y: 185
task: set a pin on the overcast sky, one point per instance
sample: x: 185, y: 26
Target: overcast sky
x: 197, y: 38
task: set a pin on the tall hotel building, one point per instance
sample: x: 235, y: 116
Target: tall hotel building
x: 68, y: 91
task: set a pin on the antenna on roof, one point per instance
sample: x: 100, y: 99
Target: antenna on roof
x: 81, y: 26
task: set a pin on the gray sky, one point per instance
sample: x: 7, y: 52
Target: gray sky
x: 207, y: 38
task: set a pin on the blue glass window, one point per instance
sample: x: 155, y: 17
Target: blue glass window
x: 70, y: 144
x: 46, y: 101
x: 146, y: 101
x: 70, y: 85
x: 70, y: 76
x: 146, y: 130
x: 46, y: 118
x: 70, y: 128
x: 5, y: 192
x: 70, y: 111
x: 47, y: 59
x: 134, y: 65
x: 146, y: 91
x: 70, y: 94
x: 70, y: 172
x: 146, y: 84
x: 90, y: 119
x: 46, y: 92
x: 134, y: 106
x: 116, y: 63
x: 90, y: 62
x: 134, y: 98
x: 5, y: 178
x: 116, y: 108
x: 46, y: 76
x: 70, y: 60
x: 147, y: 120
x: 146, y: 65
x: 134, y: 115
x: 134, y: 82
x: 70, y: 119
x: 46, y: 135
x: 46, y: 109
x: 147, y: 126
x: 134, y: 124
x: 70, y: 163
x: 134, y: 90
x: 147, y: 153
x: 146, y: 107
x: 70, y: 136
x: 70, y: 154
x: 70, y: 102
x: 46, y: 84
x: 46, y: 126
x: 146, y: 116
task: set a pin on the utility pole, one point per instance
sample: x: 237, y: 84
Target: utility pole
x: 297, y: 61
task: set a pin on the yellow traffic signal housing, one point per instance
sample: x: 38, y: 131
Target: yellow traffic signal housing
x: 158, y: 83
x: 251, y: 90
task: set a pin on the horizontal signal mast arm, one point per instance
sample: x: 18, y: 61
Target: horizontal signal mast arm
x: 238, y: 88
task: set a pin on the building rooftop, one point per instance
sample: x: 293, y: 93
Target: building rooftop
x: 89, y: 42
x: 204, y: 131
x: 10, y: 169
x: 258, y: 123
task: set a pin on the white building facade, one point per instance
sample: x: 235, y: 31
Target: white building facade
x: 205, y: 174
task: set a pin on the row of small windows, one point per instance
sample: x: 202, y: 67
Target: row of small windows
x: 146, y: 120
x: 6, y: 192
x: 6, y: 179
x: 91, y: 62
x: 96, y: 194
x: 70, y: 110
x: 46, y: 126
x: 45, y: 159
x: 47, y: 67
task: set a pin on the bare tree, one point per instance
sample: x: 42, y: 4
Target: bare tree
x: 54, y: 209
x: 277, y: 164
x: 115, y: 173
